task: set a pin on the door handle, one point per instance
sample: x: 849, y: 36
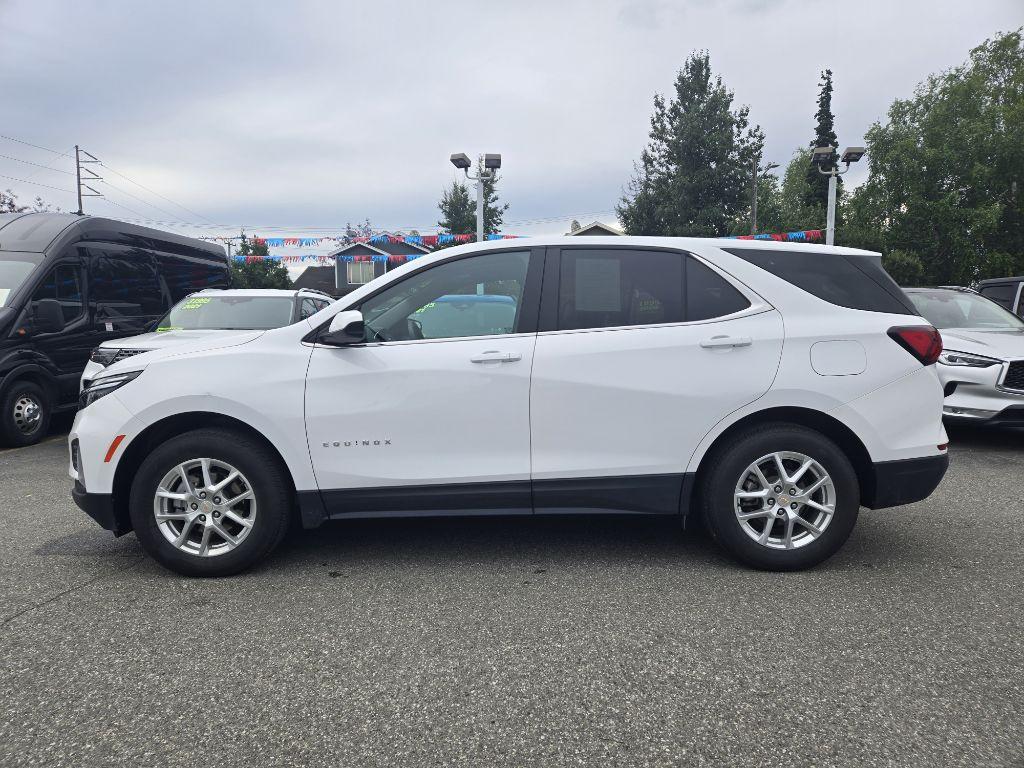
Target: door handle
x: 716, y: 342
x: 494, y: 356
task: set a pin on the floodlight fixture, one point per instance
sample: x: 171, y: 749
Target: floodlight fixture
x: 461, y: 161
x: 853, y: 154
x: 492, y: 162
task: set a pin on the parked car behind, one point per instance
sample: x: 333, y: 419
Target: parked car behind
x: 211, y: 313
x: 1007, y: 292
x: 982, y: 366
x: 768, y: 389
x: 67, y: 284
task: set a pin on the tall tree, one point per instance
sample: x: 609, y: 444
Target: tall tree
x: 946, y: 180
x: 252, y: 268
x: 815, y: 193
x: 693, y: 177
x: 458, y: 207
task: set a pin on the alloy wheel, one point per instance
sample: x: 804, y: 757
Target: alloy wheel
x: 784, y: 500
x: 205, y: 507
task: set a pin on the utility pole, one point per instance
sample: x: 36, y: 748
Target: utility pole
x: 753, y: 200
x: 79, y: 162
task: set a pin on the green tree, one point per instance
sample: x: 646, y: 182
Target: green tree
x: 693, y: 177
x: 946, y: 180
x: 458, y: 208
x: 9, y: 204
x: 815, y: 192
x: 254, y: 270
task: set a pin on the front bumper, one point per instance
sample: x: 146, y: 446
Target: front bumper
x: 977, y: 395
x: 904, y: 481
x: 100, y: 507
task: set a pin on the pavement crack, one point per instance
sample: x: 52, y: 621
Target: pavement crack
x: 54, y: 598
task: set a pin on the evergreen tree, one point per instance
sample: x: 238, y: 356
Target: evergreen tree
x: 259, y: 272
x: 458, y: 208
x: 693, y: 178
x: 815, y: 193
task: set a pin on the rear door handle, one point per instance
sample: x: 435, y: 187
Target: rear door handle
x: 726, y: 341
x: 494, y: 356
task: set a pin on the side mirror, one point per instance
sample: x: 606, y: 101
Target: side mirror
x: 346, y: 328
x: 48, y: 316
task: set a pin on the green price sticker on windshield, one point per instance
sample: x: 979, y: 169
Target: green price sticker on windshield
x: 195, y: 303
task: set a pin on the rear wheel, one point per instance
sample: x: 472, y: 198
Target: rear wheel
x: 25, y: 415
x: 210, y: 503
x: 781, y: 497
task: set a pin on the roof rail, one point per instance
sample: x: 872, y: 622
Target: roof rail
x: 315, y: 290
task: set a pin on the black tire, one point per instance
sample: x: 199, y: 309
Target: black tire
x: 269, y: 483
x: 12, y: 416
x: 727, y: 469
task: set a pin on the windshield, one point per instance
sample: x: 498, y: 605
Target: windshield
x: 228, y: 312
x: 14, y: 268
x: 952, y: 309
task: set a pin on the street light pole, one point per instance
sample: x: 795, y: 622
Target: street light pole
x: 824, y: 158
x: 830, y: 225
x: 488, y: 168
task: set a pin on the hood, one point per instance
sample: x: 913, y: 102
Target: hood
x: 163, y: 339
x: 1006, y: 344
x: 204, y: 343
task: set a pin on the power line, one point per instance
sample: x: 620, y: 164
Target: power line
x: 37, y: 165
x: 162, y: 197
x: 26, y: 181
x: 30, y: 144
x: 136, y: 197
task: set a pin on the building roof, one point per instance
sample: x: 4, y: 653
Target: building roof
x: 596, y: 228
x: 383, y: 248
x: 318, y: 278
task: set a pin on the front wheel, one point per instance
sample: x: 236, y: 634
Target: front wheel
x: 24, y: 414
x: 210, y: 503
x: 781, y: 497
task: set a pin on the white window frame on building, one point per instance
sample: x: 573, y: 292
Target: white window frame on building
x: 365, y: 269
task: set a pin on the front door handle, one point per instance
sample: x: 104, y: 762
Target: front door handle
x: 494, y: 356
x: 716, y: 342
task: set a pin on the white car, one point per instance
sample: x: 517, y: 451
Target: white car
x: 770, y: 389
x: 215, y: 312
x: 982, y: 367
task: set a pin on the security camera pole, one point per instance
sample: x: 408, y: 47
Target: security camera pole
x: 491, y: 165
x: 825, y: 159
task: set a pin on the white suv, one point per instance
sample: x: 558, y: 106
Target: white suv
x: 771, y: 389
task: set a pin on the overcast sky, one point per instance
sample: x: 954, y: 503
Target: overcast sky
x: 307, y: 115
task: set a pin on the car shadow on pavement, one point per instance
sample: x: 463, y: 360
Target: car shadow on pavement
x: 620, y: 538
x: 985, y: 438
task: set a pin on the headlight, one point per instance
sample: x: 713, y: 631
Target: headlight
x: 104, y: 355
x: 103, y: 387
x: 965, y: 360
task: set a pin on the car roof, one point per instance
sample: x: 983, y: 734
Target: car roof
x: 36, y: 231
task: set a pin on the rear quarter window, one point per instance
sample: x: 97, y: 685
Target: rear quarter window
x: 856, y: 282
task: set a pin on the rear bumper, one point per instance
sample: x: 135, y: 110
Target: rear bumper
x: 904, y: 481
x: 100, y: 507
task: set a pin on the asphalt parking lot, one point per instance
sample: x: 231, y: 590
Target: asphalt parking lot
x: 519, y: 642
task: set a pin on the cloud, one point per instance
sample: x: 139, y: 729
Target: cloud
x: 307, y: 114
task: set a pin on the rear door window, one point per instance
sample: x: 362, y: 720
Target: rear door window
x: 708, y: 294
x: 125, y: 284
x: 856, y: 282
x: 608, y: 288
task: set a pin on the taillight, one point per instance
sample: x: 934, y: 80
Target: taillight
x: 922, y: 341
